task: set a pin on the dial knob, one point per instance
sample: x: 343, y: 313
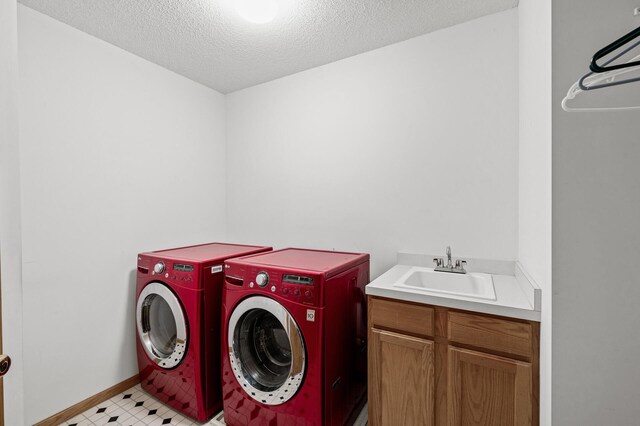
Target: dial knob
x: 262, y: 279
x: 158, y: 268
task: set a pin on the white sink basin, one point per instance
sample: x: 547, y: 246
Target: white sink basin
x: 472, y: 284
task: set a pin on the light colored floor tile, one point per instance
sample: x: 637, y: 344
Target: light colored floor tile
x: 127, y: 405
x: 90, y: 412
x: 107, y: 403
x: 130, y: 415
x: 164, y: 410
x: 116, y: 400
x: 149, y: 419
x: 152, y: 404
x: 76, y: 419
x: 125, y: 417
x: 135, y: 410
x: 97, y: 418
x: 177, y: 417
x: 93, y: 412
x: 117, y: 411
x: 130, y: 408
x: 142, y: 415
x: 138, y: 414
x: 140, y: 394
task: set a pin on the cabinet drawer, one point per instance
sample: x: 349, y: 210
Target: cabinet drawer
x: 497, y: 334
x: 401, y: 316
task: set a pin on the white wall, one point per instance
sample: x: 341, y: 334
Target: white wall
x: 10, y: 238
x: 409, y: 147
x: 535, y: 170
x: 596, y: 227
x: 118, y: 156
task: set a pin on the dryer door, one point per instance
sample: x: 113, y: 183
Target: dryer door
x: 266, y: 350
x: 162, y: 326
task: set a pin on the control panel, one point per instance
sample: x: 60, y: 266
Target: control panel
x: 181, y: 278
x: 298, y: 293
x: 177, y: 272
x: 297, y: 288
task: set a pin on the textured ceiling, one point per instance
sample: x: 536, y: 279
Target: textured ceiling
x: 206, y: 40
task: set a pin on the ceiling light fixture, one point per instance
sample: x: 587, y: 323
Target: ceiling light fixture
x: 257, y: 11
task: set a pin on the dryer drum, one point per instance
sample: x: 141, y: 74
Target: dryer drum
x: 162, y: 325
x: 264, y: 346
x: 266, y: 350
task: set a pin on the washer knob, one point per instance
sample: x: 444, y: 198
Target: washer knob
x: 262, y: 279
x: 158, y: 268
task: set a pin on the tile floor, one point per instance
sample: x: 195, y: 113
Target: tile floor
x: 134, y: 407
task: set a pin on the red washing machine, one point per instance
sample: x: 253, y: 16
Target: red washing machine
x: 294, y: 338
x: 178, y: 297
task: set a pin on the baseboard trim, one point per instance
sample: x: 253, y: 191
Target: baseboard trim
x: 92, y: 401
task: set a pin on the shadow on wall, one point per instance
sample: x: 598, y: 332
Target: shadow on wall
x: 128, y: 346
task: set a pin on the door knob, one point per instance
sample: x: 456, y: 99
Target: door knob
x: 5, y: 364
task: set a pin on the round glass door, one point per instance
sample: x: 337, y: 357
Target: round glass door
x: 266, y: 350
x: 162, y: 326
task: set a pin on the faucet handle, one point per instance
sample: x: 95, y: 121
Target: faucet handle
x: 438, y: 261
x: 460, y: 264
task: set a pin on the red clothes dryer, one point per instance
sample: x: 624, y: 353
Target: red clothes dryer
x: 178, y: 295
x: 294, y: 338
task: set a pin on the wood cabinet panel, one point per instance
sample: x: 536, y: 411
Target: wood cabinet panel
x: 428, y: 366
x: 496, y: 334
x: 487, y: 390
x: 401, y: 380
x: 402, y: 316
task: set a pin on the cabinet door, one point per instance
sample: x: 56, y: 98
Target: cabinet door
x: 401, y: 380
x: 488, y: 390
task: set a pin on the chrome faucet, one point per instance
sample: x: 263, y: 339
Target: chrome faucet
x: 458, y: 268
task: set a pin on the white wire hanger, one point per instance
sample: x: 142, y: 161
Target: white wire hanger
x: 589, y: 82
x: 606, y: 75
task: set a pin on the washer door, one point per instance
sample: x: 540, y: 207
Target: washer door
x: 162, y: 326
x: 266, y: 350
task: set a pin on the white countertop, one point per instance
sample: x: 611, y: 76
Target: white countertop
x: 516, y: 295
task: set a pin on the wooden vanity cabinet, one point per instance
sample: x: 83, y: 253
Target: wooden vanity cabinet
x: 430, y: 365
